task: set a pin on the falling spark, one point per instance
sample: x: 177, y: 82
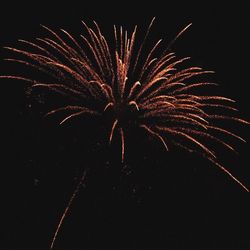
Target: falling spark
x: 80, y: 183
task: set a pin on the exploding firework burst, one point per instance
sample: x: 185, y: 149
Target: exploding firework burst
x: 152, y: 90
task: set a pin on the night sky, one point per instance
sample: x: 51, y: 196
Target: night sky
x: 159, y: 200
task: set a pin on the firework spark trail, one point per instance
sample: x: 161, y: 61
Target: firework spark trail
x: 80, y: 183
x: 150, y: 89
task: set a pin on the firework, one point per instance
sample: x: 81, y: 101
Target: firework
x: 149, y: 88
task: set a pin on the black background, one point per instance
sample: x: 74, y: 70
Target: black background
x: 175, y: 201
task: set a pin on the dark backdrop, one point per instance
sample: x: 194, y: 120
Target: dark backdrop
x: 169, y: 201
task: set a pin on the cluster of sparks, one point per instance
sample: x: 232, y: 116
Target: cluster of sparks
x: 125, y: 81
x: 153, y: 92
